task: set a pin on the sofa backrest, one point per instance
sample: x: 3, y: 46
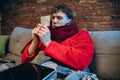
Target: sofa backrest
x: 106, y: 62
x: 18, y: 39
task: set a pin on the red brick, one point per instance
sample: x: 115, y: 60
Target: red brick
x: 40, y: 9
x: 101, y: 6
x: 26, y: 8
x: 91, y: 1
x: 103, y: 1
x: 61, y: 1
x: 110, y: 24
x: 87, y: 1
x: 40, y: 1
x: 88, y: 24
x: 81, y: 7
x: 72, y: 3
x: 87, y: 13
x: 81, y: 19
x: 109, y: 12
x: 99, y: 18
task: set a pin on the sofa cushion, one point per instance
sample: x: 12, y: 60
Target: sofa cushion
x: 3, y: 44
x: 106, y: 67
x: 40, y: 58
x: 107, y: 54
x: 107, y: 42
x: 18, y: 39
x: 13, y: 57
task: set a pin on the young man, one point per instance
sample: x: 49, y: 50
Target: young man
x: 62, y: 41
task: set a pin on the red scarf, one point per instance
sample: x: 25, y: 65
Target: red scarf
x: 61, y: 33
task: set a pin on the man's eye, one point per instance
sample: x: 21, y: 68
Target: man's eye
x: 53, y: 17
x: 59, y: 17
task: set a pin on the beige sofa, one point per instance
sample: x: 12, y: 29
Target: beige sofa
x: 106, y: 62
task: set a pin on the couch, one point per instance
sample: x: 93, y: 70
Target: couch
x: 106, y: 61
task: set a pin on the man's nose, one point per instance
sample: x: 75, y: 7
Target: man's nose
x: 55, y: 20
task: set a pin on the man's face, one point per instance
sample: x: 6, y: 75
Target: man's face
x: 59, y: 19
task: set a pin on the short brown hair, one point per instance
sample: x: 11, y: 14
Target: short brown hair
x: 64, y: 8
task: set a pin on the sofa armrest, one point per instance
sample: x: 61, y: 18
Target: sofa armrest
x: 4, y: 39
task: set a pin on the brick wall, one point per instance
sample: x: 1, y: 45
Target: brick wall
x: 0, y: 22
x: 89, y: 14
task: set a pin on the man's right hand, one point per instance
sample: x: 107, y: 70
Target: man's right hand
x: 35, y: 36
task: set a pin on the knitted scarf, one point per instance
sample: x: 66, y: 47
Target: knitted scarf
x: 61, y: 33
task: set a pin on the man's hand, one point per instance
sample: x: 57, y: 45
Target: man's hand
x: 42, y: 33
